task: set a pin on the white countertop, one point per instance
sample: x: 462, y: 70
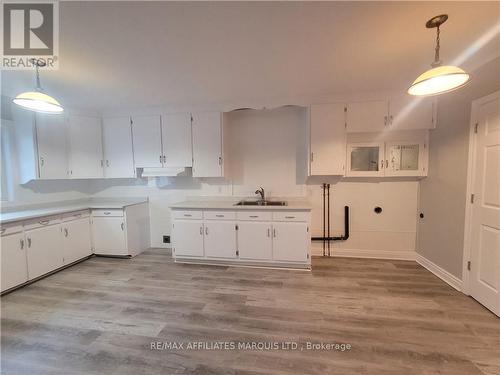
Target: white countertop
x: 54, y: 208
x: 229, y: 204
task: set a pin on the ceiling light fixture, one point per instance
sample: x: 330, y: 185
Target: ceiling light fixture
x: 37, y: 100
x: 441, y: 78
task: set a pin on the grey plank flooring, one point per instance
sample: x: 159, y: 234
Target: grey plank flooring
x: 101, y: 316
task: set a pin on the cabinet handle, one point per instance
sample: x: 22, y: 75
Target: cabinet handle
x: 65, y: 232
x: 254, y: 216
x: 206, y: 231
x: 385, y: 120
x: 220, y: 160
x: 42, y: 161
x: 102, y: 163
x: 268, y: 232
x: 44, y: 222
x: 122, y: 225
x: 107, y: 163
x: 274, y: 233
x: 201, y: 231
x: 161, y: 159
x: 391, y: 118
x: 107, y: 213
x: 188, y: 215
x: 386, y: 163
x: 164, y: 159
x: 219, y: 215
x: 21, y: 242
x: 381, y: 164
x: 289, y: 217
x: 29, y: 242
x: 312, y: 157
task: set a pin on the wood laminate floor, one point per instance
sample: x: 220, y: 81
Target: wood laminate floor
x: 101, y: 316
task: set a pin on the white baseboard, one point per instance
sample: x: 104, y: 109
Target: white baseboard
x: 444, y: 275
x: 363, y: 253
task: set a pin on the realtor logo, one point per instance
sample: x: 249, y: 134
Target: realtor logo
x: 30, y: 30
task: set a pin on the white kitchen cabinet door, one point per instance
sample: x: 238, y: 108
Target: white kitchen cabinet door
x: 290, y: 242
x: 52, y: 147
x: 369, y: 116
x: 44, y: 250
x: 220, y: 239
x: 76, y: 240
x: 404, y: 158
x: 85, y: 147
x: 207, y: 144
x: 188, y: 238
x: 177, y: 143
x: 409, y: 112
x: 365, y: 159
x: 118, y: 150
x: 108, y: 236
x: 146, y: 135
x: 328, y: 139
x: 255, y: 241
x: 14, y: 266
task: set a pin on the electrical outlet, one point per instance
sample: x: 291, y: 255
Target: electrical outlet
x: 166, y: 239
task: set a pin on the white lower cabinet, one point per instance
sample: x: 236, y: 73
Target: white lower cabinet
x: 44, y: 250
x: 220, y: 239
x: 14, y: 267
x: 289, y: 242
x: 76, y: 240
x: 255, y: 241
x: 108, y: 235
x: 188, y: 238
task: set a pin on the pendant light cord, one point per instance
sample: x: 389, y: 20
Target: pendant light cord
x: 437, y: 61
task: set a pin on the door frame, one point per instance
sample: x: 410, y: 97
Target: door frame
x: 471, y: 178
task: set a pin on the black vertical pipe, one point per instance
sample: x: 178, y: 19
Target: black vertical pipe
x: 324, y: 219
x: 328, y: 200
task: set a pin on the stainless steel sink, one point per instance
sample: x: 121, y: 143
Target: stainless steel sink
x: 261, y: 203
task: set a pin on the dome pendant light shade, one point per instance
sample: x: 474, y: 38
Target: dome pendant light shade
x: 439, y: 79
x: 37, y: 100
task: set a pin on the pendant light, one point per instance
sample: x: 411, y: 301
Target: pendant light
x: 441, y: 78
x: 37, y: 100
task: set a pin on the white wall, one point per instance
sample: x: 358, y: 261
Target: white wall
x: 443, y: 192
x: 268, y: 148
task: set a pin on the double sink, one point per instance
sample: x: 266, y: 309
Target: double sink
x: 261, y: 202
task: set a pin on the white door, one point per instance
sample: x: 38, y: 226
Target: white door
x: 44, y: 250
x: 76, y: 240
x: 220, y: 239
x: 404, y: 158
x: 369, y: 116
x: 485, y: 225
x: 14, y: 266
x: 118, y: 150
x: 146, y: 135
x: 85, y: 147
x: 255, y: 241
x: 409, y: 112
x: 328, y: 139
x: 290, y: 242
x: 365, y: 159
x: 188, y: 238
x: 108, y: 236
x: 177, y: 143
x: 207, y: 144
x: 52, y: 150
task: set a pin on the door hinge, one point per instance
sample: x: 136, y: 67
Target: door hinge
x: 472, y: 198
x: 476, y: 125
x: 468, y: 265
x: 236, y: 227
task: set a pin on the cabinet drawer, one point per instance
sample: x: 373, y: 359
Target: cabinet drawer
x: 111, y: 212
x: 75, y: 215
x: 42, y: 222
x: 255, y: 215
x: 187, y: 214
x: 11, y: 228
x: 219, y: 215
x: 291, y: 216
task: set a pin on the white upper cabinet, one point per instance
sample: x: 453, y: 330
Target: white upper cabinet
x: 207, y: 144
x: 365, y: 159
x: 327, y: 139
x: 85, y: 147
x: 146, y: 131
x: 52, y: 148
x: 408, y: 112
x: 176, y: 139
x: 368, y: 116
x: 118, y: 151
x: 407, y: 158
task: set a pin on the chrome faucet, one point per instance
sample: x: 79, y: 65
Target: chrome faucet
x: 262, y: 193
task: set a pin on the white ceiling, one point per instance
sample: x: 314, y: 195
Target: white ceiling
x: 119, y: 55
